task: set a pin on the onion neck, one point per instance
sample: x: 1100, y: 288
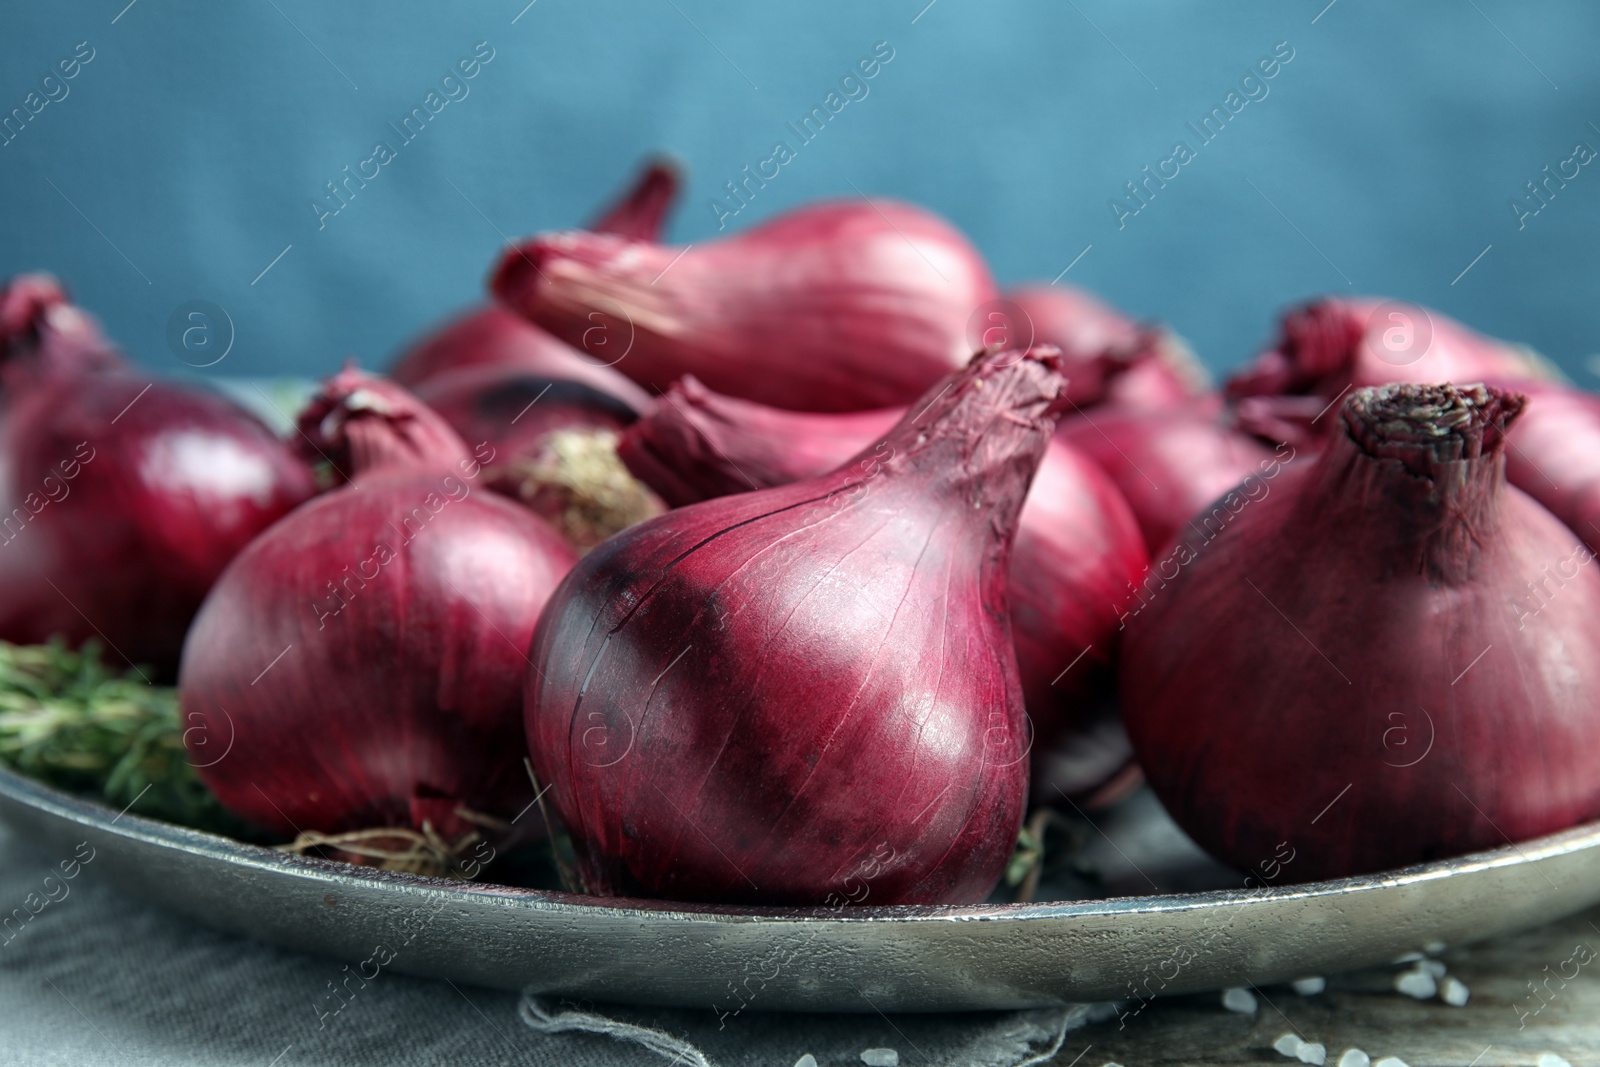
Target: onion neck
x: 44, y: 336
x: 640, y: 213
x: 1420, y: 469
x: 365, y: 425
x: 977, y: 438
x: 593, y: 290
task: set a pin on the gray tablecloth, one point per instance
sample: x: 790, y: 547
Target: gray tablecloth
x: 95, y: 977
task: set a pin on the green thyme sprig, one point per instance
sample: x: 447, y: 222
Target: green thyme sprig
x: 69, y: 720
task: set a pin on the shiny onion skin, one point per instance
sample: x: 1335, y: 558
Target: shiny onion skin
x: 365, y: 655
x: 492, y: 336
x: 123, y: 499
x: 807, y: 694
x: 1077, y: 549
x: 1168, y: 465
x: 840, y: 306
x: 1331, y: 345
x: 1358, y: 668
x: 1553, y: 454
x: 1107, y: 357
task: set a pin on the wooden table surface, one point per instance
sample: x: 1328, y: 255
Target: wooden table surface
x: 1505, y: 1021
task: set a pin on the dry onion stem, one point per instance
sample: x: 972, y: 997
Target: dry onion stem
x: 579, y: 473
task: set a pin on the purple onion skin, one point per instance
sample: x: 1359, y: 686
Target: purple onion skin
x: 514, y: 409
x: 1168, y: 465
x: 401, y: 606
x: 1553, y: 454
x: 807, y: 694
x: 1107, y: 357
x: 1078, y: 546
x: 1330, y: 345
x: 831, y: 307
x: 1356, y: 671
x: 167, y: 485
x: 491, y: 341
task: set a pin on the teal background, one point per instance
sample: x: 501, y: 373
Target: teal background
x: 1391, y: 147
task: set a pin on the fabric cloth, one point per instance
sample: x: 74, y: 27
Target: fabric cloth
x: 96, y: 977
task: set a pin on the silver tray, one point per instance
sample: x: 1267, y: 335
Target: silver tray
x: 868, y: 959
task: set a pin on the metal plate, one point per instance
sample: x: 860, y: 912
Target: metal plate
x: 884, y: 958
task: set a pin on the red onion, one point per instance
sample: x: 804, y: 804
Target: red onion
x: 494, y: 336
x: 835, y: 307
x: 1168, y: 465
x: 807, y: 694
x: 1358, y: 668
x: 1077, y: 549
x: 1330, y: 345
x: 555, y: 445
x: 1553, y: 454
x: 1106, y: 356
x: 123, y: 498
x: 366, y: 653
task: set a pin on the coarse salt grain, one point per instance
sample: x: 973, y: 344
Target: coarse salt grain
x: 1240, y: 1000
x: 1433, y: 948
x: 1406, y: 957
x: 1391, y: 1061
x: 1288, y: 1045
x: 1454, y: 992
x: 1354, y: 1057
x: 808, y: 1060
x: 1433, y: 967
x: 881, y: 1057
x: 1550, y: 1059
x: 1313, y: 1052
x: 1418, y: 983
x: 1310, y: 987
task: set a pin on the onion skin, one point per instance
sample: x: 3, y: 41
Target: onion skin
x: 512, y: 408
x: 1168, y: 465
x: 43, y: 334
x: 554, y: 441
x: 1331, y: 345
x: 807, y: 694
x: 1107, y: 357
x: 123, y: 499
x: 840, y: 306
x: 401, y: 606
x: 640, y: 213
x: 1357, y: 669
x: 1553, y: 454
x: 493, y: 338
x: 1078, y: 546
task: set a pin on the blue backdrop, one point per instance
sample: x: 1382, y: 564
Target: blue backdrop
x: 182, y: 158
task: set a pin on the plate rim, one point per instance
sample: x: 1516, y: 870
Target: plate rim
x: 94, y: 814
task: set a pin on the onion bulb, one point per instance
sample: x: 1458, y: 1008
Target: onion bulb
x: 1389, y: 658
x: 1329, y: 346
x: 1107, y: 357
x: 366, y: 653
x: 807, y: 694
x: 838, y: 306
x: 122, y: 498
x: 1077, y: 549
x: 1168, y: 464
